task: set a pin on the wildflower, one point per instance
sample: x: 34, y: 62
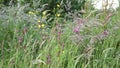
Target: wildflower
x: 58, y: 5
x: 106, y: 32
x: 76, y: 30
x: 44, y: 12
x: 39, y: 26
x: 30, y: 12
x: 58, y: 15
x: 63, y: 52
x: 43, y: 25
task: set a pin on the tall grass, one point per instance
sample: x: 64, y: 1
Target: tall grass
x: 77, y: 43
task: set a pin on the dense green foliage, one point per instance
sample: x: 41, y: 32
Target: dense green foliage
x: 75, y: 4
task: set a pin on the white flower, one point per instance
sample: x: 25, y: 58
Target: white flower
x: 105, y: 4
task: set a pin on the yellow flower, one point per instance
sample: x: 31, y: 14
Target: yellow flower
x: 39, y: 26
x: 63, y: 52
x: 44, y: 12
x: 43, y: 25
x: 30, y: 12
x: 58, y: 5
x: 38, y: 20
x: 58, y: 15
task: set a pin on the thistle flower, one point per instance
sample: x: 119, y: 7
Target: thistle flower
x: 106, y: 32
x: 76, y: 30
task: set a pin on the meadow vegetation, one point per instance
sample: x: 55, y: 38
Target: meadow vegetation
x: 34, y: 34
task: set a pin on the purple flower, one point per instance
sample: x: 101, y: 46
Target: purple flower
x: 106, y: 32
x: 76, y: 30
